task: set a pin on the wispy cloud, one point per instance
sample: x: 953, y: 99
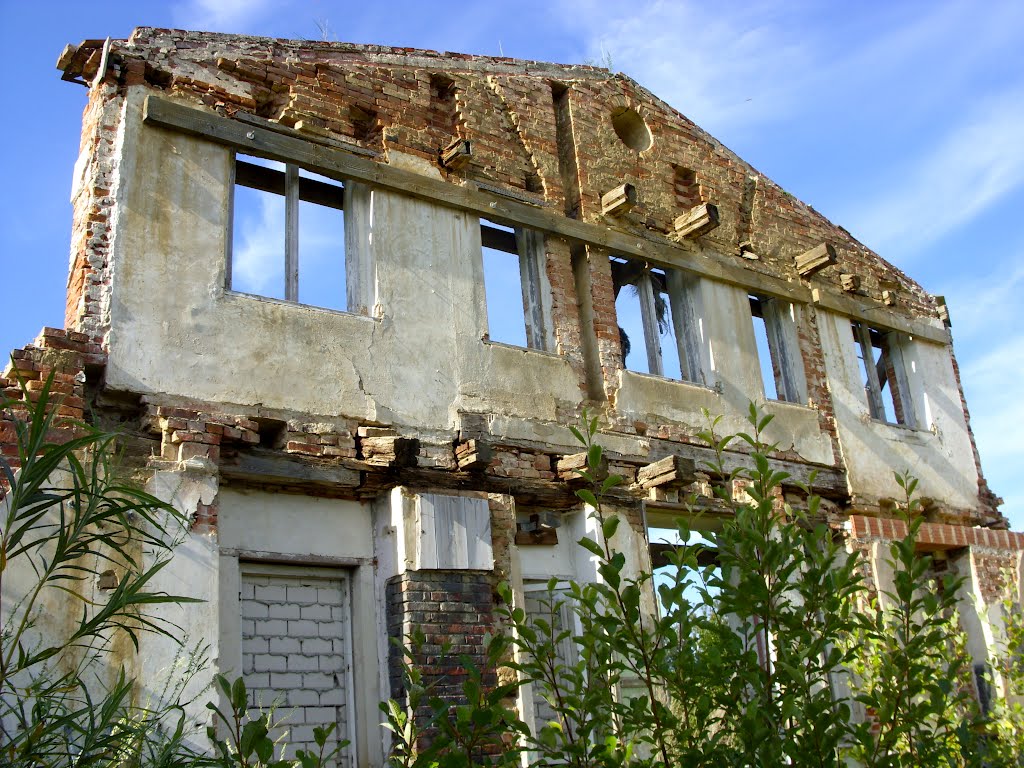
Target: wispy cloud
x: 973, y: 165
x: 219, y: 15
x: 715, y: 66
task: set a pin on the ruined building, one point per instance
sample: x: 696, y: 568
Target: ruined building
x: 345, y: 300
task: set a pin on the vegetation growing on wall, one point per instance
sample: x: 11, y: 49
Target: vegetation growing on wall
x: 779, y: 654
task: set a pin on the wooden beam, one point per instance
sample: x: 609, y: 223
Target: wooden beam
x: 670, y: 471
x: 849, y: 282
x: 274, y: 468
x: 569, y: 467
x: 343, y: 163
x: 389, y: 451
x: 817, y: 258
x: 456, y: 155
x: 619, y: 200
x: 473, y: 455
x: 698, y: 221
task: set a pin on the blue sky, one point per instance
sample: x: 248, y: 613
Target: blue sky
x: 903, y: 122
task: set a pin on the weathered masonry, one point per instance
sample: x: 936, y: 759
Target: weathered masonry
x: 345, y: 300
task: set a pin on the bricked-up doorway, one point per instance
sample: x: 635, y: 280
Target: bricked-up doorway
x: 296, y: 638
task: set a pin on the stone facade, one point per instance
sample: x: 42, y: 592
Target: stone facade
x: 360, y: 438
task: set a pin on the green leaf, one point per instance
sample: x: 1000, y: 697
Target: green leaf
x: 609, y: 526
x: 591, y: 546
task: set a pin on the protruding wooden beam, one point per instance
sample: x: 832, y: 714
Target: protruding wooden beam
x: 943, y: 311
x: 849, y: 282
x: 747, y: 251
x: 698, y: 221
x: 568, y: 468
x: 670, y: 471
x: 619, y: 200
x: 456, y: 154
x: 473, y: 455
x: 390, y: 451
x: 819, y: 257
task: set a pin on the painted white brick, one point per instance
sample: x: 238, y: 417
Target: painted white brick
x: 254, y: 610
x: 317, y: 646
x: 316, y: 612
x: 303, y: 663
x: 271, y: 627
x: 301, y: 628
x: 271, y: 593
x: 333, y: 698
x: 284, y: 611
x: 255, y: 645
x: 303, y: 595
x: 300, y: 697
x: 265, y: 662
x: 285, y: 645
x: 286, y: 681
x: 317, y: 681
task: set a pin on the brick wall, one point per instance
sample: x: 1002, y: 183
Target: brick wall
x: 454, y: 610
x: 64, y: 355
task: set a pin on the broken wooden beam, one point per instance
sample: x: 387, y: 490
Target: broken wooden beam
x: 698, y: 221
x: 456, y: 154
x: 849, y: 282
x: 569, y: 468
x: 619, y: 200
x: 275, y: 468
x: 670, y: 471
x: 473, y: 455
x: 816, y: 259
x: 546, y: 536
x: 389, y: 451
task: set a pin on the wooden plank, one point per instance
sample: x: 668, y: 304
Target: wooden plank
x: 619, y: 200
x: 671, y: 470
x: 342, y: 164
x: 276, y: 127
x: 273, y: 181
x: 456, y: 155
x: 817, y: 258
x: 291, y: 232
x: 275, y: 469
x: 698, y: 221
x: 532, y: 279
x: 649, y: 321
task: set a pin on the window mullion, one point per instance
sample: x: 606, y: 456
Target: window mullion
x: 291, y: 232
x: 874, y: 387
x: 649, y: 318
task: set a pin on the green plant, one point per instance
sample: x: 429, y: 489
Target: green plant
x: 67, y: 519
x: 242, y: 738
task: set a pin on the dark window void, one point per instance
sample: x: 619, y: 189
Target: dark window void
x: 883, y: 374
x: 288, y: 234
x: 515, y: 286
x: 777, y: 349
x: 658, y: 324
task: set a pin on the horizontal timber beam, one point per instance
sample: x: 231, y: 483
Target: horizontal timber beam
x: 335, y: 162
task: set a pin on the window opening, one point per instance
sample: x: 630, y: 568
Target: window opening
x: 515, y: 317
x: 883, y: 375
x: 777, y: 353
x: 554, y: 609
x: 657, y: 327
x: 279, y: 208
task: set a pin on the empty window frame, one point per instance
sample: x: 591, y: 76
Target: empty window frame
x: 515, y: 256
x: 778, y: 353
x: 280, y: 211
x: 659, y: 325
x: 883, y: 375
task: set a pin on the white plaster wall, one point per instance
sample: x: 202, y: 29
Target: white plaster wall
x: 176, y: 330
x: 254, y: 525
x: 938, y: 453
x: 732, y: 351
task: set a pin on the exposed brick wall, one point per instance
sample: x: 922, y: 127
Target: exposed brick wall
x: 935, y: 535
x: 451, y: 608
x: 62, y: 354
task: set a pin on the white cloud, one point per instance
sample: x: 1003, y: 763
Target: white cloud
x: 713, y: 66
x: 219, y: 15
x: 973, y: 165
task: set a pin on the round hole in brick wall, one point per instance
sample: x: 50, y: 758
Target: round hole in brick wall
x: 631, y: 129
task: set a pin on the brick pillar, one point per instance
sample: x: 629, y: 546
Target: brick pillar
x: 450, y: 607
